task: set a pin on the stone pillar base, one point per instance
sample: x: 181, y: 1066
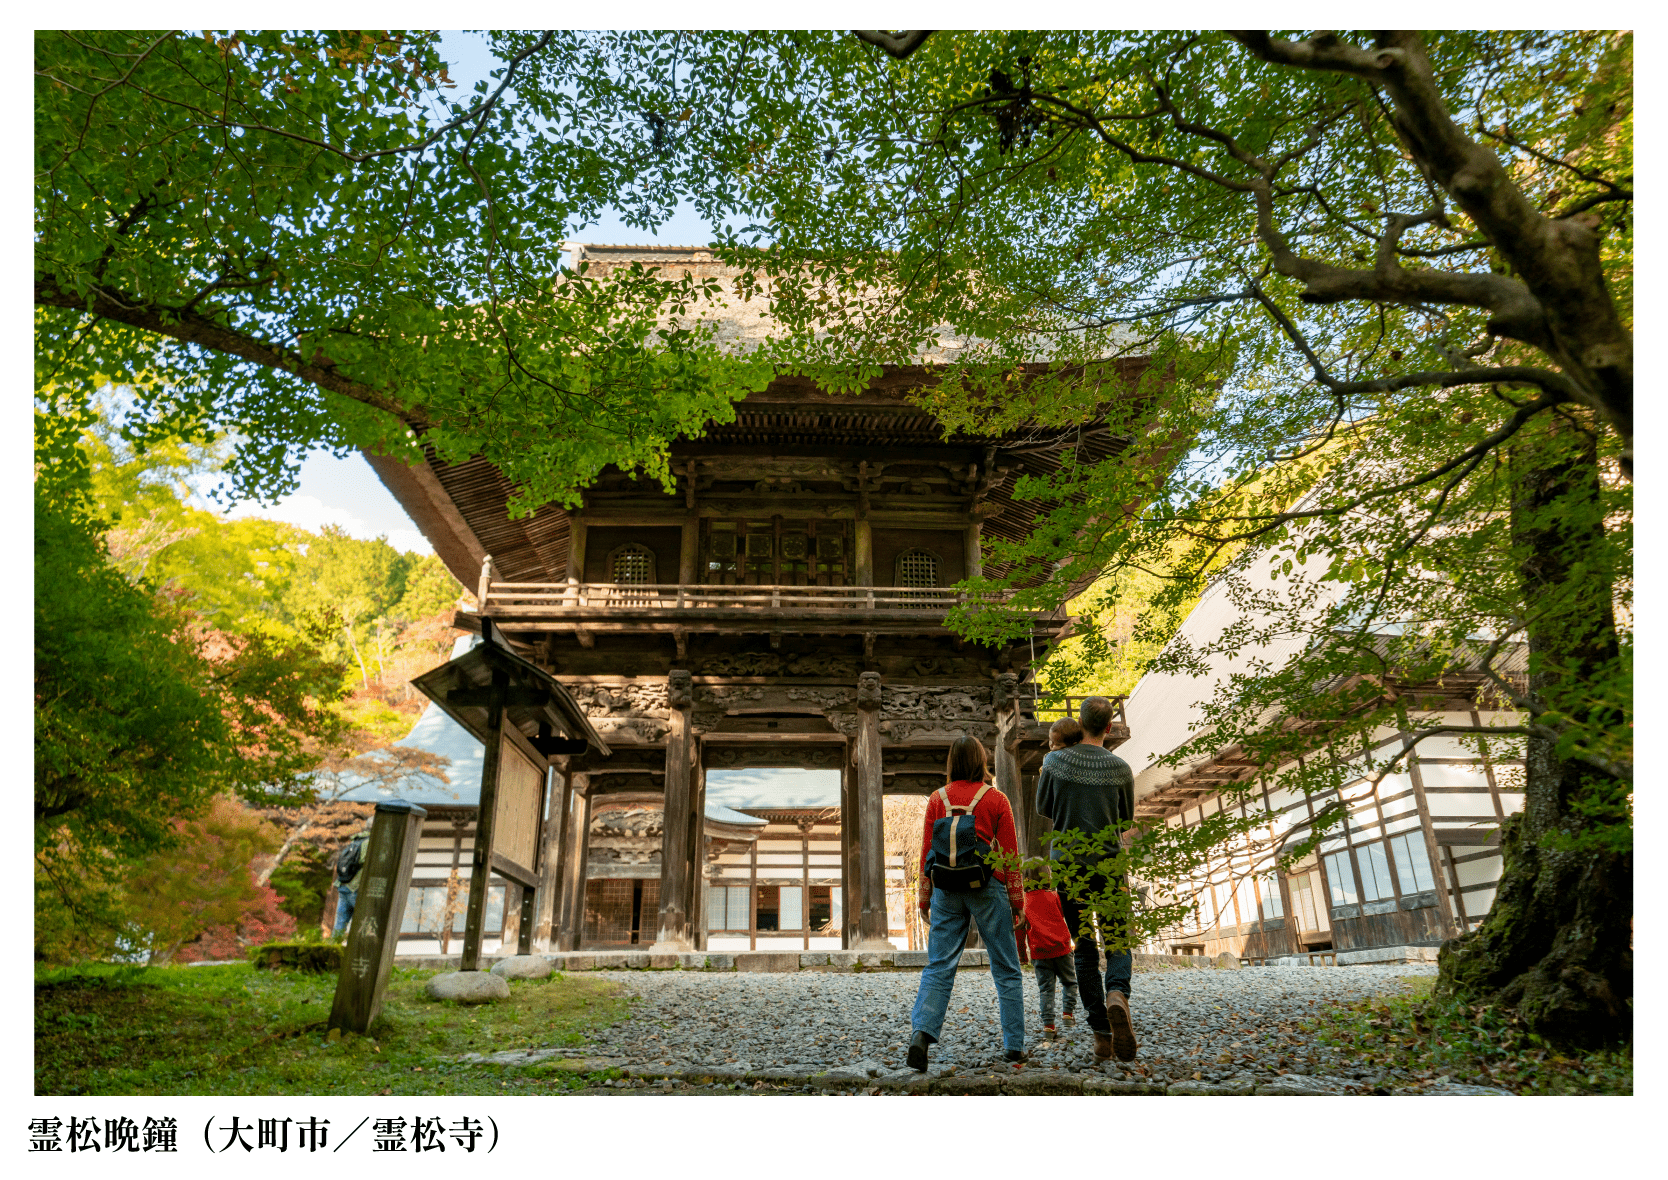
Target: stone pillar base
x: 671, y: 947
x: 872, y: 944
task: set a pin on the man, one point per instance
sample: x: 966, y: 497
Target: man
x: 350, y: 869
x: 1087, y: 788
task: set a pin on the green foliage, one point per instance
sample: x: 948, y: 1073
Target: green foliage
x: 142, y: 713
x: 1342, y: 361
x: 430, y: 589
x: 236, y: 1030
x: 302, y: 879
x: 201, y: 880
x: 305, y: 239
x: 1145, y: 873
x: 1436, y: 1038
x: 317, y: 957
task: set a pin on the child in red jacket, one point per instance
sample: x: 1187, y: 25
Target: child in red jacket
x: 1050, y: 946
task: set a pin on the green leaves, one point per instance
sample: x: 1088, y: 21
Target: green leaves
x: 282, y: 237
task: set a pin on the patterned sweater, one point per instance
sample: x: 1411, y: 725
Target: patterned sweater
x: 1085, y: 788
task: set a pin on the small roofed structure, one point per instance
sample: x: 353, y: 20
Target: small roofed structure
x: 523, y: 718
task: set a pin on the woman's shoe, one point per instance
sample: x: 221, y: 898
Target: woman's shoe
x: 1049, y: 1034
x: 1017, y: 1056
x: 917, y: 1058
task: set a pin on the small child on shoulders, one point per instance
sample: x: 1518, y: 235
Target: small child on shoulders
x: 1068, y: 731
x: 1049, y: 945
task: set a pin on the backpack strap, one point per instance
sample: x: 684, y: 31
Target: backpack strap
x: 951, y: 811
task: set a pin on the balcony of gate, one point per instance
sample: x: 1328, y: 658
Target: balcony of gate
x: 596, y: 607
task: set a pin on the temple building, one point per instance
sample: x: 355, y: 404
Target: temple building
x: 1416, y: 861
x: 783, y: 607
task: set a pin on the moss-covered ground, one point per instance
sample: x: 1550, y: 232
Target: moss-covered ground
x: 1433, y: 1038
x: 237, y: 1030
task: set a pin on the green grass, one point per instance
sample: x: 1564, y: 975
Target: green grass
x: 237, y: 1030
x: 1434, y: 1038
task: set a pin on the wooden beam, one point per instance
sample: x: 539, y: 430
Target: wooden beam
x: 578, y: 848
x: 513, y: 871
x: 547, y: 912
x: 481, y: 859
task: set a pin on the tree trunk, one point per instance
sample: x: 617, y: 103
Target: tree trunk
x: 1556, y: 946
x: 283, y: 851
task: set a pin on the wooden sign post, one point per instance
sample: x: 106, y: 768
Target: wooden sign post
x: 523, y: 718
x: 368, y: 957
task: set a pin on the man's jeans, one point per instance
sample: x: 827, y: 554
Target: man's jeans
x: 951, y: 913
x: 345, y: 899
x: 1048, y: 970
x: 1118, y: 963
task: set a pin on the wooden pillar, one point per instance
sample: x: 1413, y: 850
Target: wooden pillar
x: 698, y: 861
x: 975, y: 551
x: 848, y: 855
x: 805, y: 878
x: 480, y: 870
x: 865, y: 556
x: 1006, y: 770
x: 368, y: 957
x: 871, y: 837
x: 689, y: 551
x: 547, y: 911
x: 1444, y: 901
x: 677, y: 841
x: 571, y: 930
x: 511, y: 933
x: 576, y: 549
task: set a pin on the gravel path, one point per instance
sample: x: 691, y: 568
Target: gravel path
x: 1216, y: 1025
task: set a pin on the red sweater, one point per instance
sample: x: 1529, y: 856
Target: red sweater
x: 1048, y: 937
x: 993, y: 822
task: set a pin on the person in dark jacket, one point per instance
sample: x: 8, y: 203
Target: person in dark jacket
x: 1087, y: 788
x: 347, y: 891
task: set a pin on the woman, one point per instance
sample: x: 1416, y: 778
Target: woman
x: 1000, y: 912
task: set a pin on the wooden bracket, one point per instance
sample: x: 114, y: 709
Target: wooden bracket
x: 586, y: 639
x: 868, y: 646
x: 776, y: 640
x: 681, y: 638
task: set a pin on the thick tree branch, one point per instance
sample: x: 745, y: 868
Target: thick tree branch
x: 1564, y: 308
x: 191, y: 328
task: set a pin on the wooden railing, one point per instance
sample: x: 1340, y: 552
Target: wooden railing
x: 1052, y: 707
x: 539, y: 597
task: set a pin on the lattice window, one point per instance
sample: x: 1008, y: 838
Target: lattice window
x: 632, y: 565
x: 918, y: 569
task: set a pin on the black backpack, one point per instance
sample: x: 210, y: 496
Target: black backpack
x: 956, y: 863
x: 349, y: 859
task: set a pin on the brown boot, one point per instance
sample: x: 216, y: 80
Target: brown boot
x: 1103, y: 1046
x: 1123, y: 1039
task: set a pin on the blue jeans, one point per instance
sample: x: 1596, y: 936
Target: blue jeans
x: 345, y: 899
x: 951, y: 913
x: 1118, y: 963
